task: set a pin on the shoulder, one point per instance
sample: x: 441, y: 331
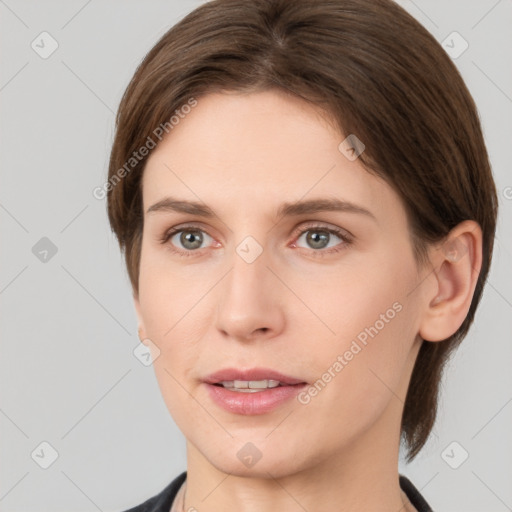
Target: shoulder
x: 414, y: 495
x: 162, y: 501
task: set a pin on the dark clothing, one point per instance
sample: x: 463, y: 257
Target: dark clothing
x: 414, y: 495
x: 162, y: 501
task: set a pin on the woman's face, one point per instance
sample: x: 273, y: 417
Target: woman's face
x: 269, y: 274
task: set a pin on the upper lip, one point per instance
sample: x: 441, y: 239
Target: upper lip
x: 229, y: 374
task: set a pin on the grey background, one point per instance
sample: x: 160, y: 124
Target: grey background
x: 68, y: 375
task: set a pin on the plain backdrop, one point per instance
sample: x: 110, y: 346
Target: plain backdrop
x: 72, y: 394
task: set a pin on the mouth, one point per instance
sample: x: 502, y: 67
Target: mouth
x: 252, y: 379
x: 250, y: 392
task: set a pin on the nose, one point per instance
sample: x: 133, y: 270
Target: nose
x: 250, y: 306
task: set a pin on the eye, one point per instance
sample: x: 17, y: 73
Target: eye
x: 322, y: 237
x: 189, y: 240
x: 186, y: 240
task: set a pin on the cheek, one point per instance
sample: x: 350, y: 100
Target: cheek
x: 177, y: 361
x: 366, y: 299
x: 373, y: 315
x: 169, y: 294
x: 167, y: 306
x: 355, y: 381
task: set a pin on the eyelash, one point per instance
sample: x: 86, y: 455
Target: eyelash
x: 347, y: 239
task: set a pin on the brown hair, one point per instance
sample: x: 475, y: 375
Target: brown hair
x: 378, y: 73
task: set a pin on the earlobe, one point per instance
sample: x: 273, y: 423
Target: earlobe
x: 457, y: 264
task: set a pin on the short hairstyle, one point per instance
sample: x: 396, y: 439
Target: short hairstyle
x: 377, y: 73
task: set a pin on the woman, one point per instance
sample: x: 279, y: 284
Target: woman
x: 305, y: 203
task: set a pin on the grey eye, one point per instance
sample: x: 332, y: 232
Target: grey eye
x: 189, y: 239
x: 319, y: 238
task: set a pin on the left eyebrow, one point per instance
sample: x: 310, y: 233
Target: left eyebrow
x: 322, y: 205
x: 170, y: 204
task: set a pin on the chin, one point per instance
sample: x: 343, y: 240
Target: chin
x: 255, y: 460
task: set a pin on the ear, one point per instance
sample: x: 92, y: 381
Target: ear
x: 138, y: 311
x: 457, y: 263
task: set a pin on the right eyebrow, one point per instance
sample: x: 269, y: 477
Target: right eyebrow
x: 169, y: 204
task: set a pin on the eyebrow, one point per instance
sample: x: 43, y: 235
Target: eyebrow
x: 170, y: 204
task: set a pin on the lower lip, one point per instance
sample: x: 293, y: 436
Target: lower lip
x: 261, y: 402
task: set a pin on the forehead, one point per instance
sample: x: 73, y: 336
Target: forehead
x: 258, y: 149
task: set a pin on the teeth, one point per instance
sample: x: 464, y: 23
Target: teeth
x: 249, y: 386
x: 262, y: 384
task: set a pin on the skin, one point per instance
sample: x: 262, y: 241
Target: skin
x: 291, y: 309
